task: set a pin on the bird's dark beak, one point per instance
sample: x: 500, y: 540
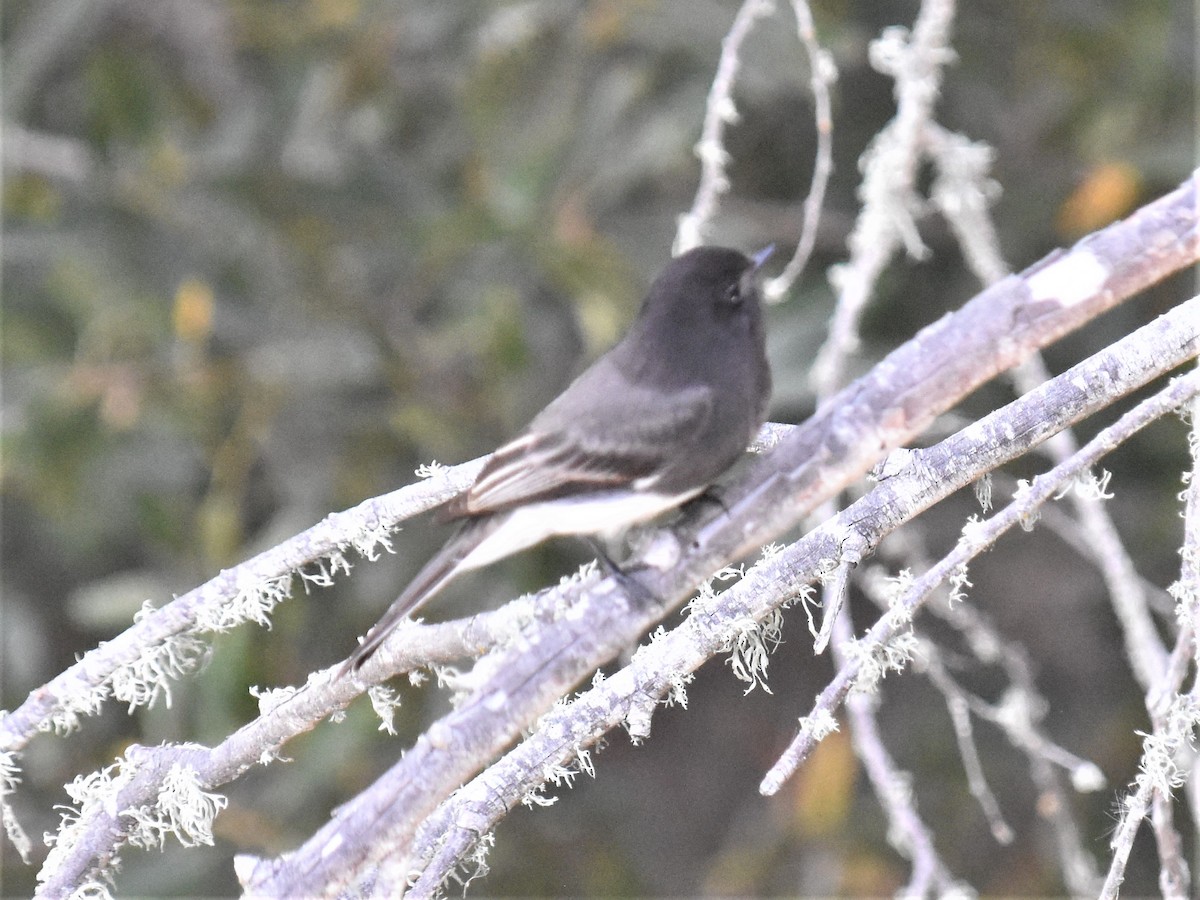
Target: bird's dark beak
x: 762, y: 256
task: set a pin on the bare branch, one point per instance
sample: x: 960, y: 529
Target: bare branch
x: 1022, y: 509
x: 285, y: 714
x: 889, y: 166
x: 514, y: 686
x: 219, y: 604
x: 399, y: 801
x: 718, y: 112
x: 1143, y: 647
x: 823, y: 74
x: 907, y: 832
x: 1175, y: 718
x: 1187, y: 590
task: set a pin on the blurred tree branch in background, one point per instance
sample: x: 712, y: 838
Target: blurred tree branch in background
x: 262, y: 258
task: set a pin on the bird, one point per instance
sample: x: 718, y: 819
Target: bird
x: 651, y: 424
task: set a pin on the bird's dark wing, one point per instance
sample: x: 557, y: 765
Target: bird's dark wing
x: 599, y: 449
x: 558, y: 456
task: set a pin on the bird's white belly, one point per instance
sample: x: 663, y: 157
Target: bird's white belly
x: 603, y: 514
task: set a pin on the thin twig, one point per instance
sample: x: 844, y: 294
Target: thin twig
x: 719, y: 112
x: 823, y: 72
x: 890, y: 167
x: 907, y: 832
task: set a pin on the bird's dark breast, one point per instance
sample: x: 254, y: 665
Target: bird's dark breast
x: 724, y: 437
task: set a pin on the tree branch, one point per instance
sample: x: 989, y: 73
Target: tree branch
x: 983, y: 534
x: 519, y: 681
x: 713, y: 627
x: 222, y: 603
x: 514, y: 686
x: 719, y: 111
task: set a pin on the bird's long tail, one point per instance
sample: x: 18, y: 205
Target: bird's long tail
x: 434, y: 576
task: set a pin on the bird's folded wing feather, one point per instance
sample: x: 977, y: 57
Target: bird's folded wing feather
x: 557, y: 459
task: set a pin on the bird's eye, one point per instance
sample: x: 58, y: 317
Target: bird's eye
x: 733, y: 294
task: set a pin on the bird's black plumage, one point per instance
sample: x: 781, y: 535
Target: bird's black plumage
x: 650, y: 424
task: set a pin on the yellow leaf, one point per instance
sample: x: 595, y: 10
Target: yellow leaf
x: 193, y: 310
x: 1107, y: 192
x: 824, y: 790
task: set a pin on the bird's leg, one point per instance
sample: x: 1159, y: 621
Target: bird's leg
x: 711, y: 494
x: 607, y: 563
x: 637, y: 591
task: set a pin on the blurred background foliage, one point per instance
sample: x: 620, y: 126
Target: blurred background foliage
x: 263, y: 257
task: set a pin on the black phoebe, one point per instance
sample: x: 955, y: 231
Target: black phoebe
x: 651, y: 424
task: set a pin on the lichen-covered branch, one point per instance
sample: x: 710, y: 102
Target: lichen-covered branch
x: 403, y: 804
x: 245, y: 592
x: 511, y: 689
x: 975, y: 539
x: 890, y: 204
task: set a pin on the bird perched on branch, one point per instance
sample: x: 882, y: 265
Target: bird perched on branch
x: 649, y: 425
